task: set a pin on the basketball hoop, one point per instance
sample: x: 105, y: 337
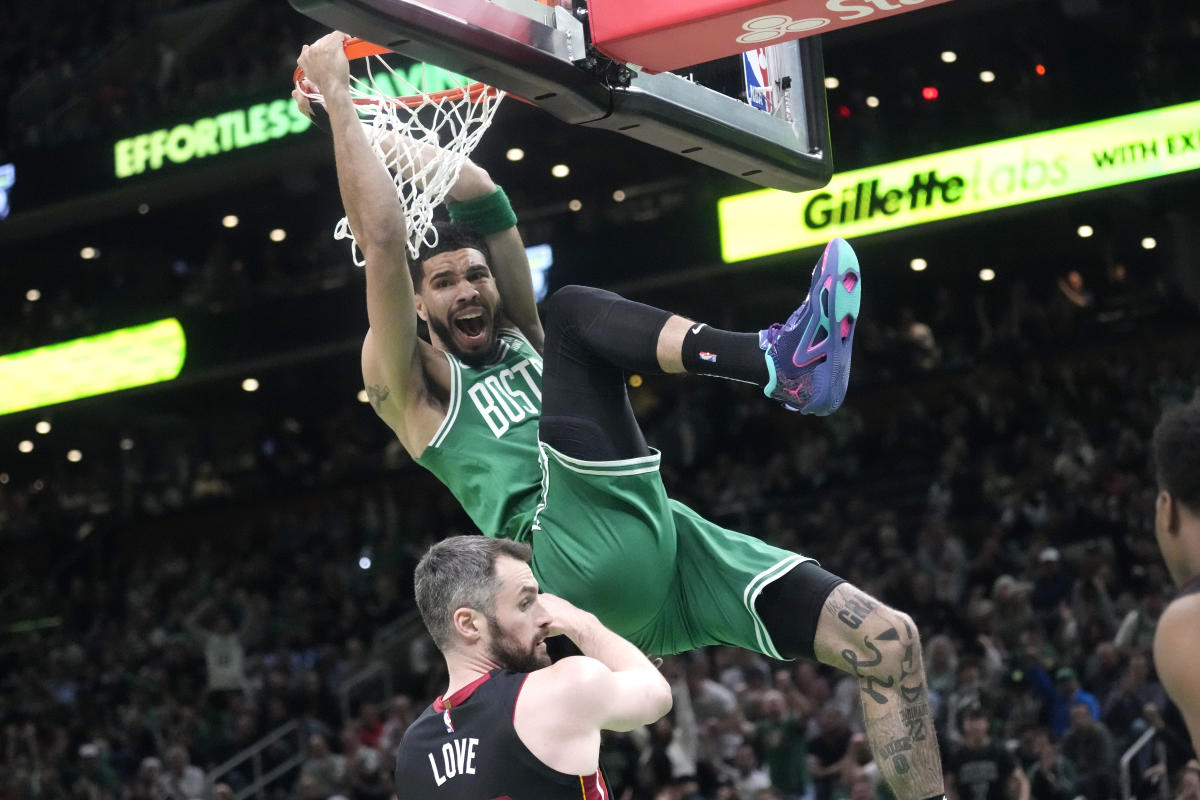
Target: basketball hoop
x: 423, y: 136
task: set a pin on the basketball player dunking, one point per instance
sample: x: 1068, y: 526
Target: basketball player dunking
x: 533, y: 432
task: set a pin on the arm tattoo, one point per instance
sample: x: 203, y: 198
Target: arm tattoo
x: 376, y: 395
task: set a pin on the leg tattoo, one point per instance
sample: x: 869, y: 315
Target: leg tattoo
x: 881, y: 648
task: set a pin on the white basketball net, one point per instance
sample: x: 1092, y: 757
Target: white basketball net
x: 424, y: 144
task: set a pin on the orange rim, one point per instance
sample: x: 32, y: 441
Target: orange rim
x: 361, y: 48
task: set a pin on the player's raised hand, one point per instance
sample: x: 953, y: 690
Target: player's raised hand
x: 324, y: 62
x: 565, y: 618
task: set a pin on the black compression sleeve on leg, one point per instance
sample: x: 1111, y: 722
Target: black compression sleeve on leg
x: 592, y: 337
x: 622, y: 332
x: 790, y: 607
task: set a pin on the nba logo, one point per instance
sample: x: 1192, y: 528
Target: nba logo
x: 758, y: 79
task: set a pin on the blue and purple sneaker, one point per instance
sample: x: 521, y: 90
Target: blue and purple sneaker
x: 808, y: 357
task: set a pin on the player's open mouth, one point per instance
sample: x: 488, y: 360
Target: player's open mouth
x: 471, y: 324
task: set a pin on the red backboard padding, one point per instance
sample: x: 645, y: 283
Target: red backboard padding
x: 660, y: 35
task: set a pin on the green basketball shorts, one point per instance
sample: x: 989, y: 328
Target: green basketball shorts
x: 607, y: 538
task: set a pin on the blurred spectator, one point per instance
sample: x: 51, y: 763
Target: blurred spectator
x: 1051, y: 776
x: 829, y: 753
x: 326, y: 770
x: 1090, y: 747
x: 978, y: 768
x: 181, y: 780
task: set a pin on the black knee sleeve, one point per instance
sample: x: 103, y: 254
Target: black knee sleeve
x: 790, y: 608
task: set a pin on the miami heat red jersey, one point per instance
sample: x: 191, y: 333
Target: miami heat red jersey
x: 464, y: 747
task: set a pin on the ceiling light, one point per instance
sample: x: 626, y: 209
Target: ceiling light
x: 43, y: 427
x: 560, y: 170
x: 635, y: 380
x: 575, y: 205
x: 126, y: 444
x: 514, y: 154
x: 832, y: 82
x: 1085, y: 231
x: 229, y: 220
x: 143, y: 208
x: 619, y: 195
x: 277, y: 235
x: 3, y: 477
x: 363, y: 397
x: 25, y: 446
x: 949, y: 56
x: 1149, y: 243
x: 872, y: 101
x: 918, y: 264
x: 74, y: 456
x: 89, y: 253
x: 987, y: 76
x: 250, y: 385
x: 987, y: 274
x: 33, y: 295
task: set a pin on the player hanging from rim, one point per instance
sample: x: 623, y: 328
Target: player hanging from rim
x: 1176, y: 451
x: 555, y: 457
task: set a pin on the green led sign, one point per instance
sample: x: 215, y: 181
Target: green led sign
x: 107, y: 362
x: 969, y: 180
x: 246, y: 127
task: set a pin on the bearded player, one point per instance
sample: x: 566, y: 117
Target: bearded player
x: 533, y: 432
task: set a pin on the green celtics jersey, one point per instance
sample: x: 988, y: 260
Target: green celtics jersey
x: 486, y: 450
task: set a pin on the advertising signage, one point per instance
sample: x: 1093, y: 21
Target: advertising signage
x: 969, y: 180
x: 106, y: 362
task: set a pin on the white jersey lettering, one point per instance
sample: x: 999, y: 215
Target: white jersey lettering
x: 522, y: 368
x: 505, y: 377
x: 458, y: 758
x: 488, y: 409
x: 506, y: 400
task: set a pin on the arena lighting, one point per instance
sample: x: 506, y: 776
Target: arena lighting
x: 987, y: 76
x: 831, y: 82
x: 229, y: 221
x: 560, y: 170
x: 872, y: 101
x: 250, y: 385
x: 514, y: 154
x: 958, y: 183
x: 918, y: 264
x: 987, y: 274
x: 277, y: 235
x: 949, y: 56
x: 25, y: 446
x: 43, y: 427
x: 74, y: 456
x: 575, y: 205
x: 1149, y: 243
x: 930, y: 93
x: 1085, y: 231
x: 106, y: 362
x: 33, y: 295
